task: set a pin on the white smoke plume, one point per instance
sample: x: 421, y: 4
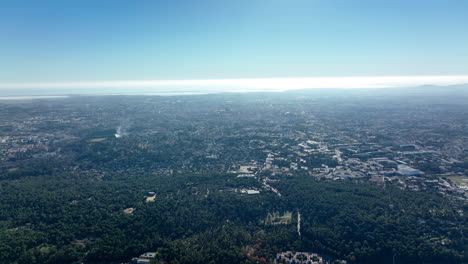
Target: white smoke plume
x: 121, y: 130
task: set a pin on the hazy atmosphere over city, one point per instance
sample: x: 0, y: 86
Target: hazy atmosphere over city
x: 259, y: 131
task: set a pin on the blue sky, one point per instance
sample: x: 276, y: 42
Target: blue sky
x: 73, y: 41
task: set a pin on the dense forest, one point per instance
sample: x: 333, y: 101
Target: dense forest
x: 199, y: 219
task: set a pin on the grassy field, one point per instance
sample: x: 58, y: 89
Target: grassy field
x: 97, y: 139
x: 459, y: 180
x: 277, y: 219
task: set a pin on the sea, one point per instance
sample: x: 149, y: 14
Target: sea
x: 57, y: 93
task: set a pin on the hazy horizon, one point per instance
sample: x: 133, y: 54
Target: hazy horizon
x: 178, y: 87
